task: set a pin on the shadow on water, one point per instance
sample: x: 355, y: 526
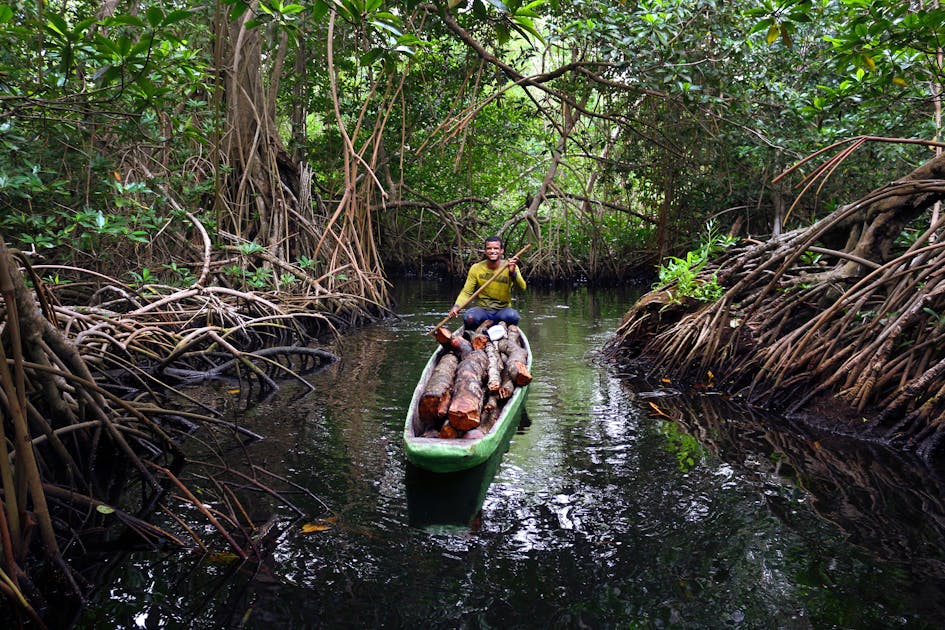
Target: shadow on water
x: 890, y: 505
x: 454, y: 499
x: 612, y: 506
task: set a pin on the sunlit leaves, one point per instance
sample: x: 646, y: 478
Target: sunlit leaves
x: 526, y: 26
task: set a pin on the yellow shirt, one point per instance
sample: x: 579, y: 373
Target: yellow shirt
x: 499, y: 292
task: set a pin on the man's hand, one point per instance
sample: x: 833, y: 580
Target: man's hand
x: 454, y: 311
x: 513, y: 263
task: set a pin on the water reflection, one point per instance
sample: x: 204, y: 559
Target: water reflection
x: 595, y: 516
x: 888, y: 504
x: 436, y: 500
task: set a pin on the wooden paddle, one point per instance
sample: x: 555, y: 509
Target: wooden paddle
x: 479, y: 290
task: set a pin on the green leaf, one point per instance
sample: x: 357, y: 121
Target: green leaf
x: 319, y: 9
x: 126, y: 20
x: 84, y: 25
x: 349, y: 10
x: 175, y: 16
x: 380, y: 25
x: 526, y: 24
x: 502, y: 33
x: 104, y: 509
x: 239, y: 8
x: 774, y: 32
x: 155, y: 16
x: 107, y: 73
x: 409, y: 39
x: 371, y: 56
x: 56, y: 24
x: 761, y: 25
x: 147, y: 87
x: 532, y: 5
x: 140, y: 48
x: 6, y: 14
x: 123, y: 45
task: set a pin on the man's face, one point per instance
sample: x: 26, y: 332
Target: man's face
x: 493, y: 251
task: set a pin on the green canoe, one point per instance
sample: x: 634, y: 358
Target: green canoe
x: 449, y: 455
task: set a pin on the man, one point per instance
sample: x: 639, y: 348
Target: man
x: 495, y: 301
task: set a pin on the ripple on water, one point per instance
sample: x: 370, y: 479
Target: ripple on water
x: 591, y: 521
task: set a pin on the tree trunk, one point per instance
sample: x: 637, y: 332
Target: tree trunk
x: 438, y: 390
x: 261, y: 190
x: 516, y: 361
x: 466, y: 406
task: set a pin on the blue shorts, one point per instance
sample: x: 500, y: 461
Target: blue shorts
x: 476, y: 315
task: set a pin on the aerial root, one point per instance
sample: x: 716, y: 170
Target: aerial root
x: 863, y: 328
x: 88, y: 393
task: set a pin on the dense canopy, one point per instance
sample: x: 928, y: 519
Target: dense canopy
x: 192, y: 189
x: 328, y: 140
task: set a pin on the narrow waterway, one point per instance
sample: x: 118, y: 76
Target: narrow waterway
x: 614, y: 507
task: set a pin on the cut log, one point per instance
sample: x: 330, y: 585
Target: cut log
x: 443, y: 410
x: 479, y: 337
x: 453, y: 340
x: 461, y: 345
x: 443, y: 336
x: 519, y: 373
x: 465, y: 408
x: 448, y: 432
x: 495, y: 367
x: 483, y: 327
x: 490, y: 413
x: 517, y: 363
x: 438, y: 389
x: 508, y: 386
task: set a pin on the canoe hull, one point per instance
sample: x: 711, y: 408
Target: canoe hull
x: 450, y: 455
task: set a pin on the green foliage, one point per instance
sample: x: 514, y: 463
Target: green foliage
x: 255, y: 277
x: 141, y: 278
x: 259, y: 278
x: 247, y: 249
x: 684, y: 108
x: 811, y: 258
x: 305, y: 263
x: 937, y: 319
x: 682, y: 276
x: 87, y: 229
x: 179, y: 276
x: 78, y: 87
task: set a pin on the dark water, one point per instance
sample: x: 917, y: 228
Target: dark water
x: 614, y: 507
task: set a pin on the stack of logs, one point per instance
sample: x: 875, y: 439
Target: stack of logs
x: 471, y: 381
